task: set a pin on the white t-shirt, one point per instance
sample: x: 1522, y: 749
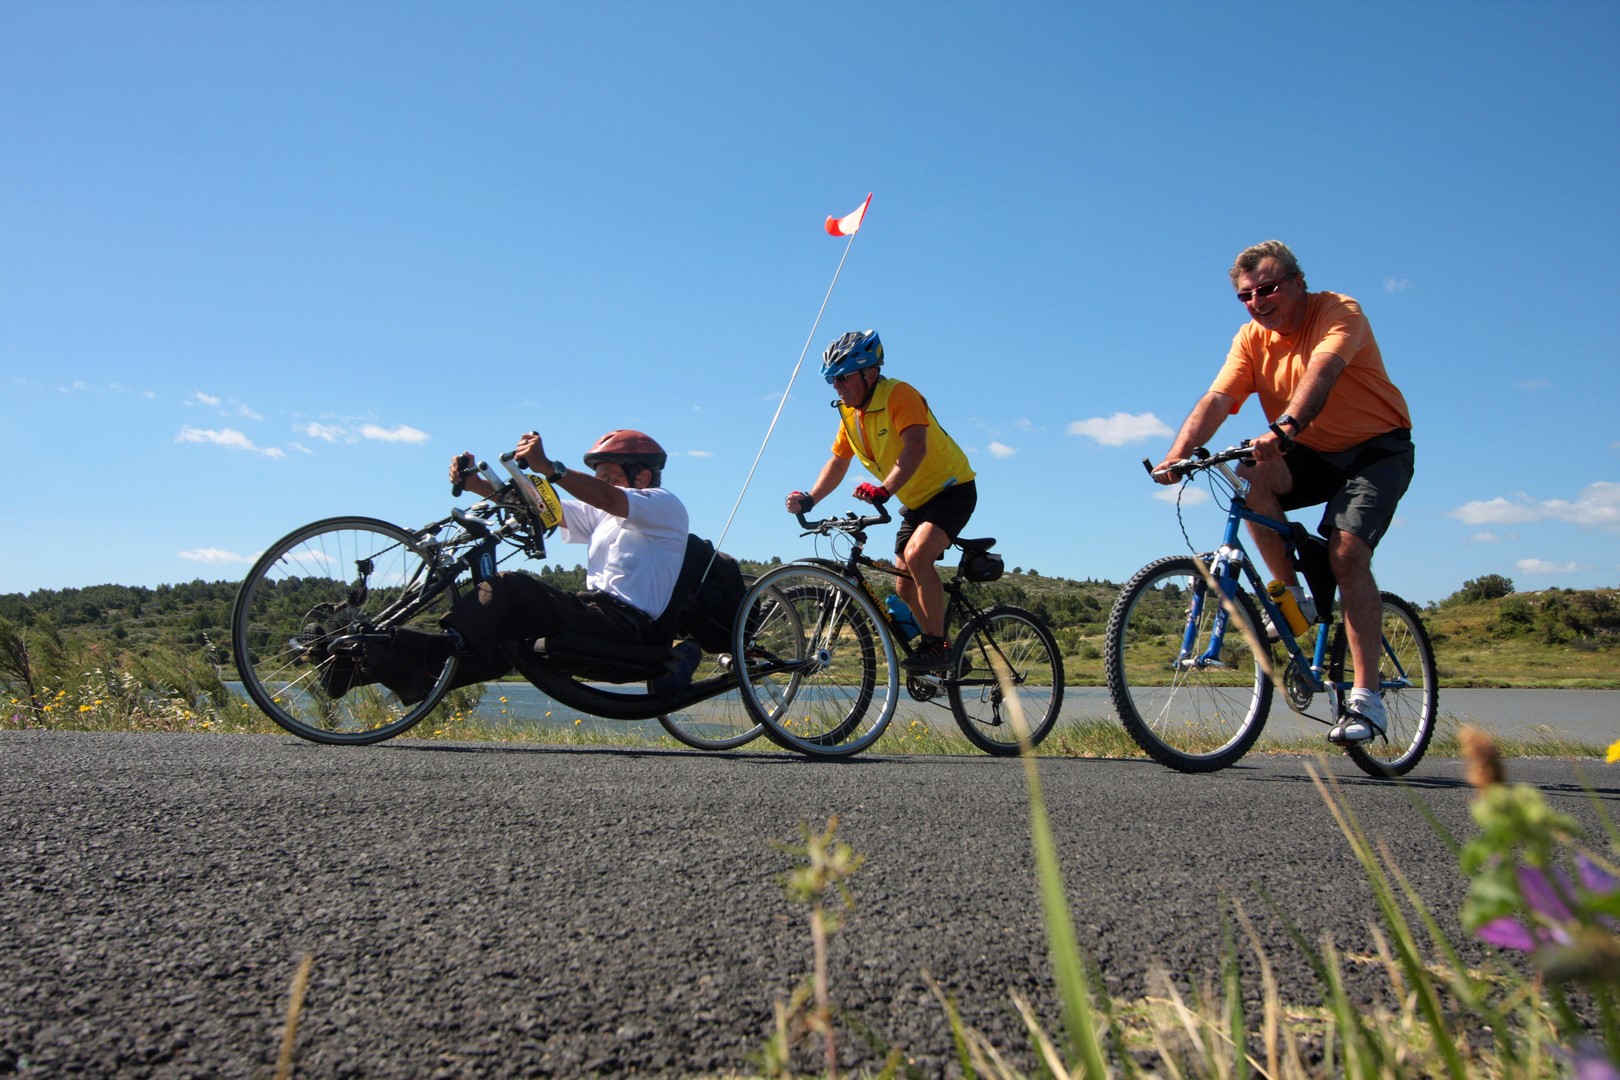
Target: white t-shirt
x: 638, y: 557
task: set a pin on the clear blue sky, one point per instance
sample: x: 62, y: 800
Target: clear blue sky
x: 265, y: 263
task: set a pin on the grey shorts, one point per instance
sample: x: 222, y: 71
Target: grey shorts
x: 1361, y: 486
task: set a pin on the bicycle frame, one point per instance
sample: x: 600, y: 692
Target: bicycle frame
x: 959, y: 607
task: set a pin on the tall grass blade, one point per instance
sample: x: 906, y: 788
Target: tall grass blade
x: 1405, y: 945
x: 1079, y: 1022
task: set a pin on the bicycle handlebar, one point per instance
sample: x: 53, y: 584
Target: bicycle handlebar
x: 849, y: 523
x: 1201, y: 459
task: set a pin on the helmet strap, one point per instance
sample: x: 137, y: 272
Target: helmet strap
x: 871, y: 387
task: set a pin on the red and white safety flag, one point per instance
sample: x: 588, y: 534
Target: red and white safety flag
x: 850, y: 223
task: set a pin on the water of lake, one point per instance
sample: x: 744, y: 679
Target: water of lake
x: 1586, y: 716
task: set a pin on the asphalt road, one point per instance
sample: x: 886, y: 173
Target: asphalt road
x: 535, y: 911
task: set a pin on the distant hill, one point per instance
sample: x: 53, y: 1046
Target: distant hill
x: 1551, y: 638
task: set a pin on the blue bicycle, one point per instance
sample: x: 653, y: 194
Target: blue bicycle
x: 1189, y: 668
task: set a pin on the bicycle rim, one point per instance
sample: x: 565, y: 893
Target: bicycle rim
x: 820, y: 672
x: 989, y: 712
x: 299, y: 608
x: 721, y: 722
x: 1193, y: 712
x: 1410, y: 687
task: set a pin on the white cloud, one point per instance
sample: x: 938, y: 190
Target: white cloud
x: 1395, y: 285
x: 1486, y: 537
x: 1497, y: 511
x: 700, y: 453
x: 1190, y: 496
x: 1532, y: 385
x: 200, y: 398
x: 1000, y: 450
x: 1024, y: 424
x: 401, y: 433
x: 1121, y: 428
x: 1542, y: 566
x: 226, y: 437
x: 214, y: 556
x: 325, y: 432
x: 1596, y: 507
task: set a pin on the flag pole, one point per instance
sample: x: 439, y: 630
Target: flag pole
x: 836, y: 227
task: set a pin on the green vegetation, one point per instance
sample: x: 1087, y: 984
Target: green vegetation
x: 1536, y: 885
x: 121, y: 656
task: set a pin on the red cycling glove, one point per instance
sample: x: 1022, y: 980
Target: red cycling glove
x: 872, y: 493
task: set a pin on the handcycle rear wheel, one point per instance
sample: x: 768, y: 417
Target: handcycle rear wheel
x: 1411, y: 690
x: 722, y: 722
x: 315, y: 587
x: 1019, y: 642
x: 1193, y: 714
x: 818, y: 665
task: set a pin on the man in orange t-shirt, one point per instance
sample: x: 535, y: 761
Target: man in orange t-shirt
x: 1340, y: 433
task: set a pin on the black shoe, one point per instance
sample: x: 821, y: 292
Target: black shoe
x: 410, y: 663
x: 932, y: 655
x: 678, y: 670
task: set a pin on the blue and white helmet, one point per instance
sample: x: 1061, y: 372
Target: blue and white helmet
x: 854, y: 351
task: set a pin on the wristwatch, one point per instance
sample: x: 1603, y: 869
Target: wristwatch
x: 1285, y: 418
x: 558, y: 471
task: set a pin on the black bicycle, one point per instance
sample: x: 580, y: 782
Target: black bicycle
x: 328, y: 595
x: 828, y: 678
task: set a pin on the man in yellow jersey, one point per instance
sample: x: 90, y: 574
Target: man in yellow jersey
x: 1340, y: 434
x: 888, y: 425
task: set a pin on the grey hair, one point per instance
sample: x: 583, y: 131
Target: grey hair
x: 1251, y: 257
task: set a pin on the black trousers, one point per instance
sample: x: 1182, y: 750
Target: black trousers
x: 516, y: 607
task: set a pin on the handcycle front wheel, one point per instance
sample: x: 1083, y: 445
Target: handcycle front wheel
x: 1409, y: 684
x: 320, y: 586
x: 1005, y: 642
x: 816, y: 663
x: 1196, y: 712
x: 722, y: 722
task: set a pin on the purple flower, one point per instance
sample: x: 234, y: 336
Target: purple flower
x: 1550, y: 898
x: 1591, y: 1063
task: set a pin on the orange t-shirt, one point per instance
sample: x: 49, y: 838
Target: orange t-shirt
x: 1363, y: 403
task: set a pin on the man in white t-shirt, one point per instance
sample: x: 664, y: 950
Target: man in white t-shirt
x: 636, y: 531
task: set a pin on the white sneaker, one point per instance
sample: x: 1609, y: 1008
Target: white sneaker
x: 1364, y: 719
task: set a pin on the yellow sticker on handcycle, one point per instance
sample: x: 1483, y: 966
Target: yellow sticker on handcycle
x: 551, y: 511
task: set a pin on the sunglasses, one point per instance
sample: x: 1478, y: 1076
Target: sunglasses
x: 1261, y: 291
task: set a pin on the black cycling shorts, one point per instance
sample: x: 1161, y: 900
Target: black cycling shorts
x: 1361, y: 486
x: 949, y: 510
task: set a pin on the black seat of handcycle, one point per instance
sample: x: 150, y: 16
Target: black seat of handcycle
x: 621, y: 661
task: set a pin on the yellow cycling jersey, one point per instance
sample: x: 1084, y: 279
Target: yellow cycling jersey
x: 873, y: 435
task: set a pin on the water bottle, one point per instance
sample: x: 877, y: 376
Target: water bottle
x: 904, y: 621
x: 1283, y: 597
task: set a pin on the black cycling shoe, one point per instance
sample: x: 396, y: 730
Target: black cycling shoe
x: 409, y: 664
x: 678, y: 671
x: 932, y: 656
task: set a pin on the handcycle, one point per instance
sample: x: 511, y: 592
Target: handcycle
x: 1185, y: 635
x: 823, y: 615
x: 322, y: 596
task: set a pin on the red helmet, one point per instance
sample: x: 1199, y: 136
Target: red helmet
x: 626, y: 447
